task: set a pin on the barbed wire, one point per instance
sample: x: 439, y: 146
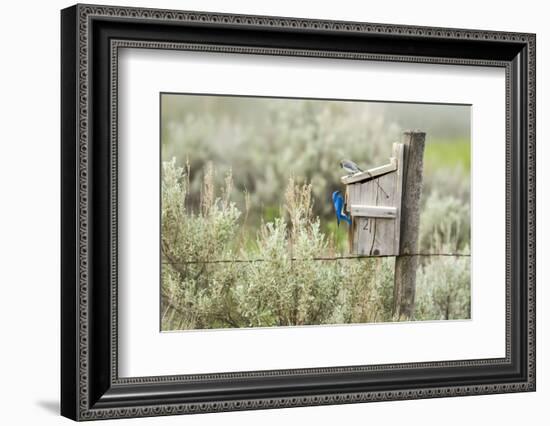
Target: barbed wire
x: 333, y: 258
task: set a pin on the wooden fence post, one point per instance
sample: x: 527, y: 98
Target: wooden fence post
x: 405, y: 266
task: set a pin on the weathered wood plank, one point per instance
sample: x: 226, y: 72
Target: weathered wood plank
x: 405, y: 266
x: 362, y: 197
x: 383, y: 212
x: 371, y: 173
x: 398, y: 153
x: 375, y: 235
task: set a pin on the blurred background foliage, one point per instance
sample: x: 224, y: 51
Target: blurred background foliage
x: 230, y: 164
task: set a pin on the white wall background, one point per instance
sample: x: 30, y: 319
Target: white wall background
x: 29, y: 212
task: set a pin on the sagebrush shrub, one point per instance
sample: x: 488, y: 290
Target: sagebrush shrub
x: 443, y: 289
x: 212, y: 277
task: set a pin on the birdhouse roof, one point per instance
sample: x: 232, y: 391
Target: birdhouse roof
x: 371, y: 173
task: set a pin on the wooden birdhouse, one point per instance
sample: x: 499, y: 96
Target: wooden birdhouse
x: 373, y: 201
x: 384, y: 206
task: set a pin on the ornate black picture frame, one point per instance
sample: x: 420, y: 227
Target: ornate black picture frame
x: 91, y: 36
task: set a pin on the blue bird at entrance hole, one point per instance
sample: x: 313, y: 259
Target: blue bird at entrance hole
x: 338, y: 202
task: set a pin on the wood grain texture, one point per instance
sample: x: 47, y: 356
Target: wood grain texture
x: 405, y: 266
x: 374, y: 205
x: 375, y: 235
x: 382, y: 212
x: 398, y: 152
x: 371, y: 173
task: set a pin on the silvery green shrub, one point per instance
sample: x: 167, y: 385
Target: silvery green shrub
x: 212, y: 277
x: 443, y: 289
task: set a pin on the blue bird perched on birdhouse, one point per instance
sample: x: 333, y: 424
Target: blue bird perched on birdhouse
x: 350, y: 167
x: 338, y: 202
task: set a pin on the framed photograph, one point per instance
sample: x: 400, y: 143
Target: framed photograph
x: 263, y: 212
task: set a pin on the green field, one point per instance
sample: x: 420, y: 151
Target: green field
x: 447, y: 153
